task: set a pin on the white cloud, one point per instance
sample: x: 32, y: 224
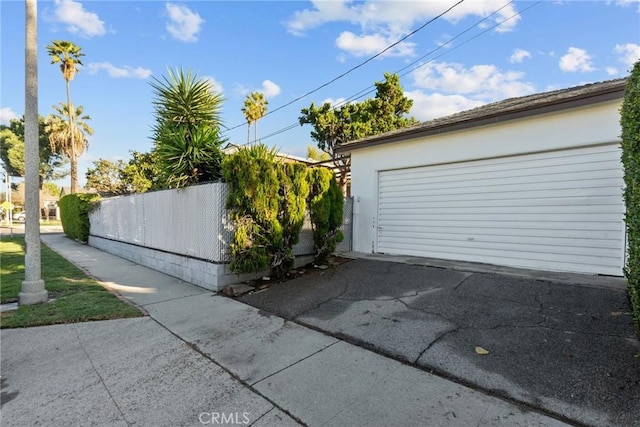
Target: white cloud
x: 483, y: 82
x: 431, y: 106
x: 385, y: 22
x: 6, y: 115
x: 576, y: 59
x: 612, y: 71
x: 216, y: 86
x: 119, y: 72
x: 77, y: 19
x: 519, y: 55
x: 270, y: 89
x: 394, y: 15
x: 184, y: 24
x: 366, y: 45
x: 625, y: 3
x: 628, y: 53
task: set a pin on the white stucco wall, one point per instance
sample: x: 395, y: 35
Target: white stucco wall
x: 584, y: 126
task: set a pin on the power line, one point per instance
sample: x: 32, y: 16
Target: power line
x: 371, y: 89
x: 391, y: 46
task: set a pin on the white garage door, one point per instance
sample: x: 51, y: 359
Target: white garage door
x: 559, y: 211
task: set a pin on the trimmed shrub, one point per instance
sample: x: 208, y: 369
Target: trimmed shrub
x: 294, y: 189
x: 253, y: 201
x: 267, y: 200
x: 326, y: 205
x: 630, y: 123
x: 74, y: 213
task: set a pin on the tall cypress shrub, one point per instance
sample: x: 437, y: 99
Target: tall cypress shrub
x: 326, y: 205
x: 253, y: 201
x: 630, y: 123
x: 268, y: 201
x: 294, y: 189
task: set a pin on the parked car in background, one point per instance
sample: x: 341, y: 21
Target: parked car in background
x: 19, y: 216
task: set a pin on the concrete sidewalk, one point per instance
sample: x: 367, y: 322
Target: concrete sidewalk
x: 288, y: 372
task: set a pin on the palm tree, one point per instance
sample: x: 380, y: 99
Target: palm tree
x: 255, y: 107
x: 68, y: 132
x: 68, y: 55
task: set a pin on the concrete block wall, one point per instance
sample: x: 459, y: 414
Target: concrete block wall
x: 208, y: 275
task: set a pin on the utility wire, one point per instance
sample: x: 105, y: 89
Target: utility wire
x: 391, y: 46
x: 371, y: 89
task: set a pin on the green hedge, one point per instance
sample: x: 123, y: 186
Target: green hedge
x: 268, y: 200
x: 74, y: 212
x: 630, y: 123
x: 326, y: 204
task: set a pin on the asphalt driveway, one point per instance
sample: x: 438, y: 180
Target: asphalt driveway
x: 566, y: 348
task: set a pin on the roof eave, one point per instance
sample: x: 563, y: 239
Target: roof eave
x: 595, y: 97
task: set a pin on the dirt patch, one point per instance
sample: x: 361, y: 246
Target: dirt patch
x: 267, y: 282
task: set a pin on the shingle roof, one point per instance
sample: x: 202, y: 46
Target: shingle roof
x: 508, y: 109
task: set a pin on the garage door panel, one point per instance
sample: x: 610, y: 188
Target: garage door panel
x: 477, y: 187
x: 533, y: 245
x: 585, y: 196
x: 559, y: 211
x: 424, y: 202
x: 517, y: 163
x: 591, y: 265
x: 544, y: 240
x: 544, y: 210
x: 522, y: 255
x: 613, y: 227
x: 516, y: 232
x: 572, y: 172
x: 478, y: 218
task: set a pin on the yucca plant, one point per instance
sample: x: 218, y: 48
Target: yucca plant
x: 189, y: 155
x: 187, y: 129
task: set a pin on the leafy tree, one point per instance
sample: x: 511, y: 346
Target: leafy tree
x: 318, y: 156
x: 255, y: 107
x: 142, y: 173
x: 630, y: 123
x: 69, y: 137
x: 335, y: 126
x: 68, y: 55
x: 106, y: 177
x: 51, y: 188
x: 187, y: 128
x: 12, y: 152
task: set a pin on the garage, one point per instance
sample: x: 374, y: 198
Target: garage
x: 531, y: 182
x: 560, y: 210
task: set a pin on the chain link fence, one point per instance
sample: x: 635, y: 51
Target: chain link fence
x: 192, y: 221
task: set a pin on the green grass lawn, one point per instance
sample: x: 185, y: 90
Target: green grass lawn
x: 73, y: 297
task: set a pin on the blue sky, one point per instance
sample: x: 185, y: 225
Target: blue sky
x: 288, y: 48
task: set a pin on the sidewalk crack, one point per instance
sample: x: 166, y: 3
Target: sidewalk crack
x: 438, y: 338
x: 296, y: 362
x: 100, y: 377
